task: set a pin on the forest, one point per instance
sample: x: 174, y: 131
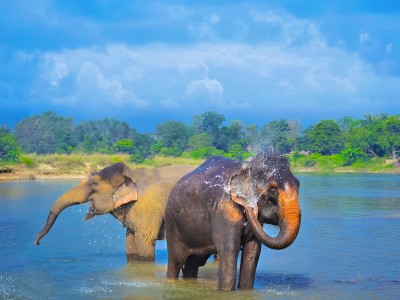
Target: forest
x: 347, y: 140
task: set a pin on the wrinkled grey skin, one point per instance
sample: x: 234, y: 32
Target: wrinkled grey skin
x: 221, y: 206
x: 135, y: 197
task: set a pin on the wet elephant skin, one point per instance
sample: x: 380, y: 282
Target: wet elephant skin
x: 221, y: 206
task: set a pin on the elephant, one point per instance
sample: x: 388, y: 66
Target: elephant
x: 137, y: 198
x: 221, y: 206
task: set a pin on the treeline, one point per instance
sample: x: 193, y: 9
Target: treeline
x: 207, y: 135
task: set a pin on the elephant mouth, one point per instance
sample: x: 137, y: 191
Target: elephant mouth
x: 93, y: 212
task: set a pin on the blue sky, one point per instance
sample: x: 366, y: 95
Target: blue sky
x: 145, y: 62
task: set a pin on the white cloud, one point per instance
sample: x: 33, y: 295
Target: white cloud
x: 292, y: 30
x: 53, y: 69
x: 205, y: 87
x: 86, y: 76
x: 234, y: 76
x: 364, y: 37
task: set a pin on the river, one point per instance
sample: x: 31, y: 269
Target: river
x: 348, y: 248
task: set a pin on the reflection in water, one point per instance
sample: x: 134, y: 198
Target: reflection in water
x: 347, y: 248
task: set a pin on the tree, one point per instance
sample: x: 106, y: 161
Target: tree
x: 45, y: 134
x: 142, y: 145
x: 325, y: 137
x: 101, y: 135
x: 9, y: 149
x: 389, y: 135
x: 229, y: 135
x: 210, y: 122
x: 351, y: 155
x: 277, y: 134
x: 252, y: 136
x: 200, y: 140
x: 237, y: 152
x: 124, y: 146
x: 174, y: 135
x: 293, y: 134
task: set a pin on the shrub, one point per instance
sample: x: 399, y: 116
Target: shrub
x: 351, y: 155
x: 137, y: 158
x: 206, y: 152
x: 124, y: 146
x: 171, y: 151
x: 27, y: 161
x: 9, y: 149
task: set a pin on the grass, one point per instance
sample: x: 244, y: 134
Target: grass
x: 335, y: 163
x: 81, y: 163
x: 93, y: 162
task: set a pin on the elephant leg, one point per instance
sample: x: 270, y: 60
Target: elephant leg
x: 191, y: 268
x: 176, y: 260
x: 227, y: 266
x: 178, y: 253
x: 137, y: 249
x: 250, y: 255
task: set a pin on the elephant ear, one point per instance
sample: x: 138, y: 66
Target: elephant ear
x: 126, y: 191
x: 241, y: 188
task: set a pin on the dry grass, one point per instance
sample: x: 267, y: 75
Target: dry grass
x: 81, y: 164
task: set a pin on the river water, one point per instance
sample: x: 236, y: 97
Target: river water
x: 348, y: 248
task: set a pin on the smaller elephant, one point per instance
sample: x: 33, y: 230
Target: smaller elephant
x: 221, y: 207
x: 137, y: 198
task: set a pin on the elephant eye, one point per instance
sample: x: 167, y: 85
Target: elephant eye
x: 273, y: 194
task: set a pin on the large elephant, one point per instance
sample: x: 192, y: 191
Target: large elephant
x: 221, y: 207
x: 137, y: 198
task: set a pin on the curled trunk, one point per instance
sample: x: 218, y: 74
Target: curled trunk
x: 289, y: 225
x: 76, y: 195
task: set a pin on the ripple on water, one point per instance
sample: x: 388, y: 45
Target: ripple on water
x: 26, y: 285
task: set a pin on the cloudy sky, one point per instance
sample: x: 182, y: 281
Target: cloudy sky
x: 145, y: 62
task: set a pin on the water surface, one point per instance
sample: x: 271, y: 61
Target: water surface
x: 347, y: 248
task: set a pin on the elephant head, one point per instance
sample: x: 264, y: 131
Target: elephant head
x: 107, y: 190
x: 268, y: 191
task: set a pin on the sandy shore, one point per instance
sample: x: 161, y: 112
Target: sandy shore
x: 46, y: 172
x: 17, y: 173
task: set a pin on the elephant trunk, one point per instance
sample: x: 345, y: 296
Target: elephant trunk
x: 76, y: 195
x: 289, y: 225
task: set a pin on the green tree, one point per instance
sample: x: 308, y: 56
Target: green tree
x: 325, y: 137
x: 124, y: 146
x: 171, y: 151
x: 156, y: 147
x: 252, y: 136
x: 210, y: 122
x: 229, y: 135
x: 47, y: 133
x: 278, y: 135
x: 174, y: 135
x: 200, y: 140
x: 206, y: 152
x: 388, y: 132
x: 142, y: 145
x: 351, y: 155
x: 101, y: 135
x: 9, y: 149
x: 371, y: 123
x: 237, y: 152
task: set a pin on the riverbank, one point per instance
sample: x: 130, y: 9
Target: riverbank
x: 76, y: 166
